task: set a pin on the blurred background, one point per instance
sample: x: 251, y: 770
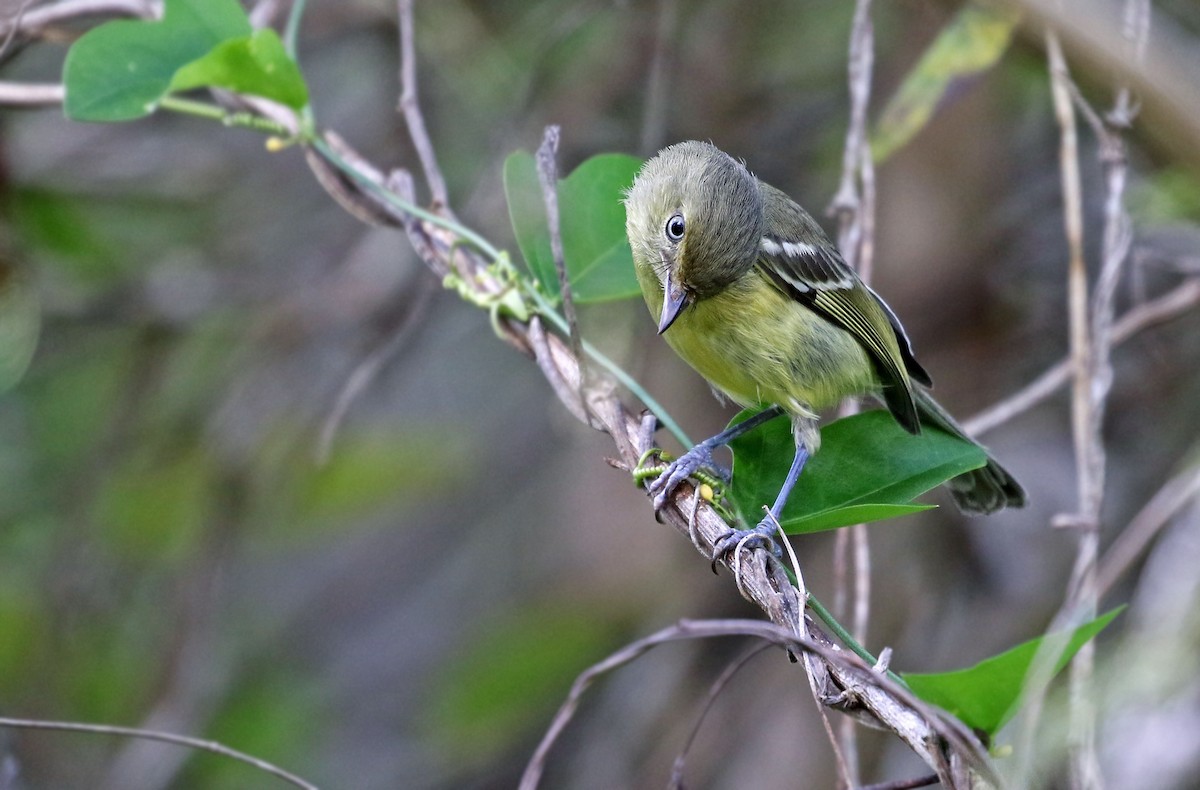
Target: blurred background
x: 191, y: 540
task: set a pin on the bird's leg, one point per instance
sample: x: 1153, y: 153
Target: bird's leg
x: 701, y: 456
x: 764, y: 533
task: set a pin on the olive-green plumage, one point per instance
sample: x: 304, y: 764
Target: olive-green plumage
x: 752, y: 294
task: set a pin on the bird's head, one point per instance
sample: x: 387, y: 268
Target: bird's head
x: 695, y: 216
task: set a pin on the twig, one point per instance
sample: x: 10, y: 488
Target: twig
x: 857, y: 679
x: 1174, y: 495
x: 547, y: 168
x: 31, y: 94
x: 412, y: 109
x: 1175, y: 303
x: 165, y: 737
x: 1089, y: 449
x: 854, y: 205
x: 364, y: 373
x: 34, y: 20
x: 735, y: 666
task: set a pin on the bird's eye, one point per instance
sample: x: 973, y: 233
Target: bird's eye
x: 675, y: 227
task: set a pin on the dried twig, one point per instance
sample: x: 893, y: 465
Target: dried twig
x: 35, y: 20
x: 547, y: 168
x: 31, y: 94
x: 366, y: 370
x: 1175, y: 303
x: 1089, y: 448
x: 735, y: 666
x: 164, y: 737
x: 412, y: 110
x: 854, y: 205
x: 1174, y: 495
x: 857, y: 680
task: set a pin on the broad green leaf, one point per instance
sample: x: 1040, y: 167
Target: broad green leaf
x: 256, y: 64
x: 20, y: 322
x: 869, y: 468
x: 986, y: 696
x: 592, y: 221
x: 971, y: 43
x: 120, y: 70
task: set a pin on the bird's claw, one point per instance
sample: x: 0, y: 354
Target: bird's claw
x: 683, y: 467
x: 762, y: 536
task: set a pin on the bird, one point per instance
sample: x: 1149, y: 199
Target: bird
x: 751, y: 293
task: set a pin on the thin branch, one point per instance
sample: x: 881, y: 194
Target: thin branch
x: 1089, y: 449
x: 1175, y: 494
x: 164, y: 737
x: 412, y: 109
x: 854, y: 205
x: 1178, y: 302
x: 364, y: 373
x: 34, y: 20
x: 857, y: 678
x: 547, y: 168
x: 735, y: 666
x: 31, y: 94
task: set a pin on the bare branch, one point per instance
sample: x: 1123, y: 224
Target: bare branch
x: 34, y: 20
x: 412, y: 109
x: 364, y: 373
x: 1175, y: 303
x: 164, y: 737
x: 547, y: 168
x: 31, y: 94
x: 735, y: 666
x: 857, y: 681
x: 1175, y: 494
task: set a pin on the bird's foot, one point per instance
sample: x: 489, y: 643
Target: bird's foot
x: 761, y: 537
x: 697, y: 462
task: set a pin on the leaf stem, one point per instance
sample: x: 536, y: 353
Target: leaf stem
x: 291, y: 31
x: 391, y: 198
x: 212, y: 112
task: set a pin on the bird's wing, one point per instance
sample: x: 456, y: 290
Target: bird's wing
x: 798, y: 259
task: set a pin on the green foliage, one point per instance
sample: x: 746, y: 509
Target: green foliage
x: 986, y: 696
x: 869, y: 468
x: 20, y: 322
x: 971, y: 43
x: 256, y: 64
x: 591, y: 219
x: 122, y: 70
x: 512, y: 675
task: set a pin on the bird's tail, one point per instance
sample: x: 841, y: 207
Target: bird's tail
x: 983, y: 490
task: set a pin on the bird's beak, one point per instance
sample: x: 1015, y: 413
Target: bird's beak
x: 675, y: 298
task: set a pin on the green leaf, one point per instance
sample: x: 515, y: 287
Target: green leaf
x: 986, y: 696
x: 971, y: 43
x: 120, y: 70
x: 869, y: 468
x: 256, y: 64
x: 20, y: 322
x: 592, y: 221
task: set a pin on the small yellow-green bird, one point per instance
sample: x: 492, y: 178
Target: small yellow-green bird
x: 747, y: 288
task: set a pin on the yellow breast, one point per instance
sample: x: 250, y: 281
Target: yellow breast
x: 761, y: 347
